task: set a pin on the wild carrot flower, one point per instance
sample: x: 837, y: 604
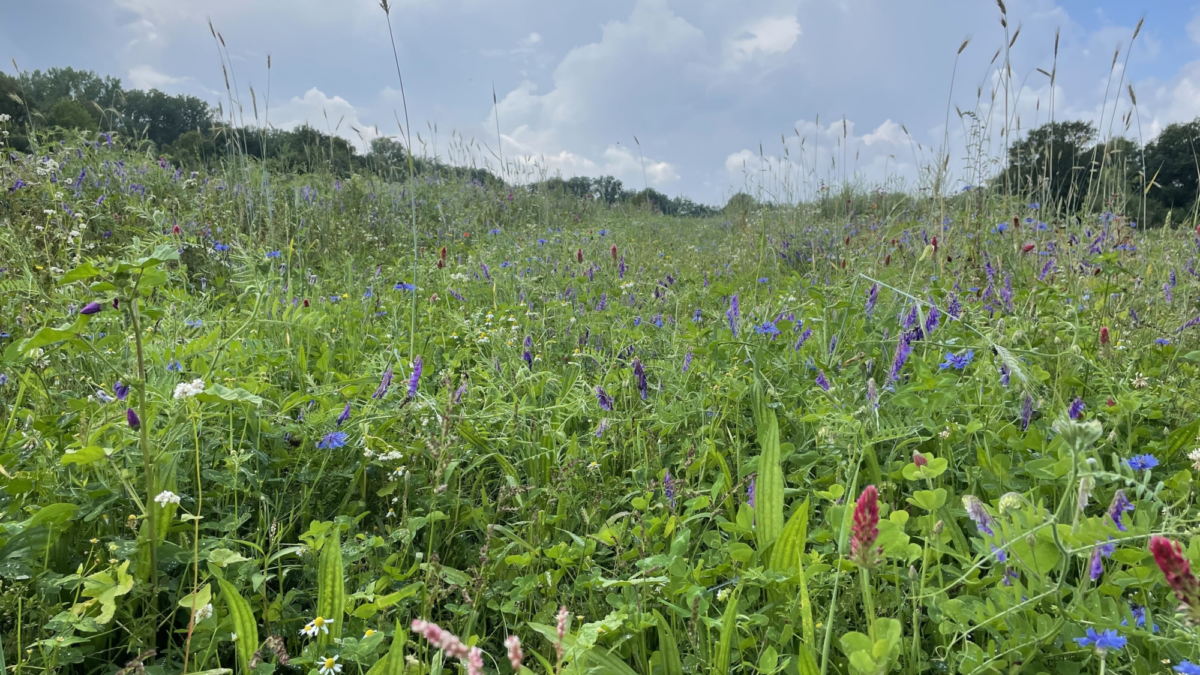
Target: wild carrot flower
x: 165, y: 498
x: 865, y: 530
x: 978, y: 513
x: 1118, y: 508
x: 1178, y: 571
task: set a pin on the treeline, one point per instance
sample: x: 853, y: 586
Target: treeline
x: 191, y: 133
x: 1064, y: 166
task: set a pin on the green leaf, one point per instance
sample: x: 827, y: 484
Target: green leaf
x: 215, y: 393
x: 198, y: 599
x: 669, y: 648
x: 728, y: 629
x: 929, y: 500
x: 222, y: 557
x: 53, y: 515
x: 1181, y: 438
x: 768, y: 490
x: 331, y: 584
x: 244, y: 624
x: 85, y: 271
x: 88, y: 455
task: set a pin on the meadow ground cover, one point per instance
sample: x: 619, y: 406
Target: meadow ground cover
x: 305, y: 423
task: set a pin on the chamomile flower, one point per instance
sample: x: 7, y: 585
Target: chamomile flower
x: 166, y: 497
x: 329, y: 666
x: 316, y: 627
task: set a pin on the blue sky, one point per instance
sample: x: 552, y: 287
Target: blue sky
x: 700, y: 83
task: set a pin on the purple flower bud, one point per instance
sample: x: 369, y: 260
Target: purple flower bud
x: 90, y: 308
x: 132, y: 418
x: 415, y: 378
x: 1118, y: 508
x: 606, y: 402
x: 383, y: 385
x: 344, y: 416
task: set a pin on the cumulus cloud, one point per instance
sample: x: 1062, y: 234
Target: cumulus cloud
x: 146, y: 77
x: 769, y: 36
x: 331, y: 114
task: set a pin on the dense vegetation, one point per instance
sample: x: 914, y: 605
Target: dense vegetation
x: 267, y: 405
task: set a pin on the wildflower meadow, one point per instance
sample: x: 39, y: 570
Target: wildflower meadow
x: 343, y: 422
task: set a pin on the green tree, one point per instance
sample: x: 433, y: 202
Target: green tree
x: 43, y: 89
x: 70, y: 114
x: 1053, y: 160
x: 162, y: 118
x: 1172, y: 163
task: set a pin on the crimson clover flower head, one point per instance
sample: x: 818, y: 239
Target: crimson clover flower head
x: 865, y: 530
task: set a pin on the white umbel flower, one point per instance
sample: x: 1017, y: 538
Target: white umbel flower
x: 204, y: 612
x: 166, y: 497
x: 187, y: 389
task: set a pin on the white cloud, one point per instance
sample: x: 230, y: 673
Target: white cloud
x: 769, y: 36
x: 146, y: 77
x: 330, y: 114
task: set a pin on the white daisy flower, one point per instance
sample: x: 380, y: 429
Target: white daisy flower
x: 316, y: 626
x: 329, y: 666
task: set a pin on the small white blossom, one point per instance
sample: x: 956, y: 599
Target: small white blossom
x: 204, y: 612
x: 1195, y: 457
x: 186, y: 389
x: 316, y: 626
x: 329, y: 666
x: 166, y: 497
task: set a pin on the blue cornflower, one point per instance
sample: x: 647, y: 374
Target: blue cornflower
x: 767, y: 328
x: 505, y: 264
x: 219, y: 247
x: 1162, y: 342
x: 368, y: 293
x: 603, y: 232
x: 175, y: 366
x: 696, y: 316
x: 1142, y: 462
x: 958, y: 361
x: 402, y: 286
x: 541, y: 242
x: 332, y: 441
x: 1102, y: 641
x: 1186, y: 667
x: 494, y: 230
x: 763, y: 280
x: 1139, y: 619
x: 274, y: 254
x: 193, y: 323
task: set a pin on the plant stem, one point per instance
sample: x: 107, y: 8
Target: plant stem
x: 868, y: 601
x: 144, y: 440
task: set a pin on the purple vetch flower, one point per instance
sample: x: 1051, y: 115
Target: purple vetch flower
x: 121, y: 390
x: 639, y: 371
x: 750, y: 490
x: 1005, y: 375
x: 528, y: 358
x: 903, y: 350
x: 606, y: 402
x: 954, y: 309
x: 1189, y: 324
x: 822, y: 381
x: 415, y: 378
x: 833, y: 344
x: 910, y: 319
x: 872, y: 298
x: 1026, y: 412
x: 1076, y: 410
x: 1046, y: 269
x: 669, y: 488
x: 621, y: 268
x: 932, y: 318
x: 706, y: 278
x: 1006, y: 293
x: 732, y: 314
x: 458, y: 393
x: 132, y: 418
x: 687, y: 361
x: 1118, y: 508
x: 344, y: 416
x: 90, y: 308
x: 1167, y: 292
x: 383, y: 384
x: 1001, y: 556
x: 696, y: 316
x: 803, y: 338
x: 977, y: 512
x: 486, y: 272
x: 602, y: 427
